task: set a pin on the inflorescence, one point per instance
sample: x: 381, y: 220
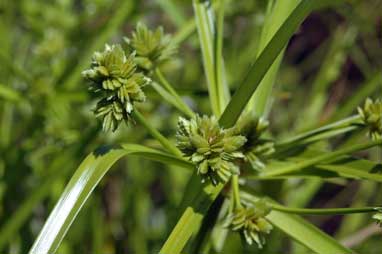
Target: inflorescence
x: 115, y: 78
x: 216, y: 151
x: 371, y: 114
x: 210, y: 147
x: 118, y: 75
x: 250, y: 221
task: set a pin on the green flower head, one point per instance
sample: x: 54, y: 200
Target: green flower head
x: 371, y: 114
x: 210, y: 147
x: 256, y: 147
x: 250, y: 221
x: 152, y: 47
x: 115, y: 78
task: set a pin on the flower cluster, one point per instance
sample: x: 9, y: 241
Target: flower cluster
x: 250, y: 221
x: 152, y: 47
x: 371, y: 114
x: 210, y: 147
x: 256, y: 147
x: 115, y: 78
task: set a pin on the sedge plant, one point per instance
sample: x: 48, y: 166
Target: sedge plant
x: 228, y: 150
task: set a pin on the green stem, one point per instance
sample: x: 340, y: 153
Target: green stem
x: 326, y: 211
x: 236, y: 192
x: 342, y: 124
x: 180, y: 103
x: 222, y: 88
x: 156, y: 134
x: 206, y: 31
x: 325, y: 157
x: 186, y: 31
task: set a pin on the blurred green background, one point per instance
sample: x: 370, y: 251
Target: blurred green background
x: 47, y: 126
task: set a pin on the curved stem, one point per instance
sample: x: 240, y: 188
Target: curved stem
x: 326, y: 211
x: 156, y: 134
x: 325, y: 157
x: 236, y: 203
x: 342, y: 124
x: 180, y: 103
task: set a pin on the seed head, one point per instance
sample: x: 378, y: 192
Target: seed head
x: 210, y: 147
x: 115, y: 79
x: 152, y: 47
x: 250, y: 221
x: 371, y: 114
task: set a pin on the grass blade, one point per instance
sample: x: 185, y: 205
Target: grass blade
x: 199, y: 198
x: 277, y: 13
x: 306, y: 233
x: 301, y: 230
x: 221, y: 82
x: 206, y: 30
x: 85, y: 179
x: 265, y: 60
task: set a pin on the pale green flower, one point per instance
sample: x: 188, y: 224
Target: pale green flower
x: 256, y: 147
x: 371, y: 114
x: 250, y: 221
x: 152, y: 47
x: 210, y: 147
x: 115, y: 78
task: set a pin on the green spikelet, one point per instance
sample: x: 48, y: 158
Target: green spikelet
x: 211, y: 148
x: 152, y: 47
x: 115, y: 79
x: 371, y: 114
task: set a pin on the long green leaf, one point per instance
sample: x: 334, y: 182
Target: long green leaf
x: 320, y: 159
x: 199, y: 197
x: 277, y: 13
x: 345, y: 167
x: 85, y: 179
x: 206, y: 31
x: 301, y: 230
x: 266, y: 59
x: 306, y: 233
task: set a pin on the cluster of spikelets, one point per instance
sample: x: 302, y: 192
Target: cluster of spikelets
x: 371, y: 115
x: 210, y: 147
x: 250, y: 221
x: 152, y: 47
x: 257, y: 147
x: 215, y: 151
x: 118, y: 75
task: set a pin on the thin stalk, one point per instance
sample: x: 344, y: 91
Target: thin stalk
x: 173, y: 11
x: 344, y: 123
x: 325, y: 157
x: 205, y: 26
x: 326, y: 211
x: 236, y: 192
x: 221, y: 82
x: 186, y: 31
x: 156, y: 134
x: 181, y: 104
